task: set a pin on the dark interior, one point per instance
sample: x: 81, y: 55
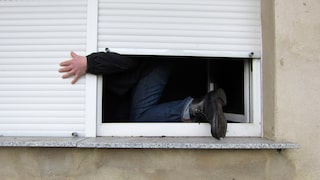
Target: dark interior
x: 189, y: 78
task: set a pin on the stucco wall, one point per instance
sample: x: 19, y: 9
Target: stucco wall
x: 291, y: 104
x: 297, y: 85
x: 57, y: 164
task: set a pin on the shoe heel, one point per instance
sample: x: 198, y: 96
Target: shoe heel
x: 222, y: 96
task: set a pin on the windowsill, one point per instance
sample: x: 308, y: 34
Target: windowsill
x: 146, y: 143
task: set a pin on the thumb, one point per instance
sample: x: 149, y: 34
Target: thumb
x: 73, y: 54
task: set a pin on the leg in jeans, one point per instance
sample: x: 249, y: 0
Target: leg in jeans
x: 148, y: 91
x: 146, y: 96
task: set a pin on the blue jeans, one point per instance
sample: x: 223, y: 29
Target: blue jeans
x: 145, y: 105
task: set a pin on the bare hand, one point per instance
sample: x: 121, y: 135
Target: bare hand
x: 76, y: 67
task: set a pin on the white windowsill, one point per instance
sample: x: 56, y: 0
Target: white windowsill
x: 146, y: 143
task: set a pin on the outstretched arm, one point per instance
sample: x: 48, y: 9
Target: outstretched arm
x: 107, y: 63
x: 76, y: 67
x: 99, y: 63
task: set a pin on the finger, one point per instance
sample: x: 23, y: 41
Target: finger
x: 75, y: 79
x: 73, y: 54
x: 65, y: 69
x: 69, y: 74
x: 66, y: 63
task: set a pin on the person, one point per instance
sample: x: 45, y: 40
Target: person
x: 146, y: 80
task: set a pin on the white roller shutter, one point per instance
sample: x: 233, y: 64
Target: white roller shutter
x: 221, y: 28
x: 35, y: 36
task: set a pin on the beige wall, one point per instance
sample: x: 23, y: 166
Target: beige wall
x: 101, y: 164
x: 297, y: 85
x: 291, y: 45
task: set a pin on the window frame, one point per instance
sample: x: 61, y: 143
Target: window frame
x: 245, y: 117
x: 91, y: 80
x: 95, y: 127
x: 252, y: 129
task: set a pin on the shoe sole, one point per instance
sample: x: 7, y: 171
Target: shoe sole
x: 219, y: 122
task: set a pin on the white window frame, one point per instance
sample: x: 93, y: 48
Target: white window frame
x: 95, y: 127
x: 91, y: 80
x: 252, y: 129
x: 245, y: 117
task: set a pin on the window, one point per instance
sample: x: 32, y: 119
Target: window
x: 34, y: 101
x: 234, y: 76
x: 213, y: 33
x: 192, y: 76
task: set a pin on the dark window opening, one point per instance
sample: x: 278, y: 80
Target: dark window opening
x: 190, y: 77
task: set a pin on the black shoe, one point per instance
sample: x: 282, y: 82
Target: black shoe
x: 209, y: 109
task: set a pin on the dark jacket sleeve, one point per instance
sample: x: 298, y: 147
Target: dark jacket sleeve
x: 108, y: 63
x: 120, y: 73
